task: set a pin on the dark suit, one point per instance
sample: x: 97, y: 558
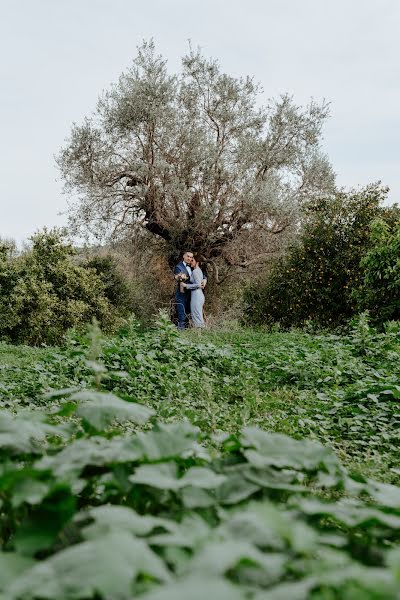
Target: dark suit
x: 182, y: 299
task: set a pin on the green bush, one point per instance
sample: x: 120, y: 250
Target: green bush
x: 379, y: 292
x: 116, y: 287
x: 43, y: 292
x: 316, y: 279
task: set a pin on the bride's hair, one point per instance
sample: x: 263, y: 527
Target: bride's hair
x: 199, y: 258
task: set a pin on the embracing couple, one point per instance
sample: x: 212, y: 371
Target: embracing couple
x: 189, y: 296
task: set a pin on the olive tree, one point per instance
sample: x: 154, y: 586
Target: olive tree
x: 195, y: 159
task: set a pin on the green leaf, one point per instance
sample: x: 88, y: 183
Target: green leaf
x: 109, y: 519
x: 193, y: 497
x: 42, y: 525
x: 298, y: 590
x: 25, y: 433
x: 350, y: 513
x: 264, y: 449
x: 29, y: 490
x: 361, y: 582
x: 277, y: 479
x: 217, y: 558
x: 201, y: 477
x: 107, y: 566
x: 198, y: 588
x: 189, y: 533
x: 384, y: 494
x: 69, y: 462
x: 165, y: 477
x: 393, y: 561
x: 236, y: 488
x: 61, y: 393
x: 12, y: 565
x: 162, y: 476
x: 168, y: 441
x: 365, y: 582
x: 100, y: 409
x: 36, y: 532
x: 264, y: 525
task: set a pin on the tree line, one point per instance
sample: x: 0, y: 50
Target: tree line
x: 195, y: 160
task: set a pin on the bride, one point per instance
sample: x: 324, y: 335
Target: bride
x: 197, y: 283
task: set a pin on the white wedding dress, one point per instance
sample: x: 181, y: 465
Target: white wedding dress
x: 197, y: 298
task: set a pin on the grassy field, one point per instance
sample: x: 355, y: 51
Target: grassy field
x: 168, y: 466
x: 341, y: 390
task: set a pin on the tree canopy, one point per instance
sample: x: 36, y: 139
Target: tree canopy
x: 195, y: 159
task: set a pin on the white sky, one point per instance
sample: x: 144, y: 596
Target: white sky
x: 56, y: 56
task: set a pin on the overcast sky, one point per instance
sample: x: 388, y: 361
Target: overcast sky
x: 56, y: 56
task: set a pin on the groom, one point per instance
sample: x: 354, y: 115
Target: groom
x: 182, y: 299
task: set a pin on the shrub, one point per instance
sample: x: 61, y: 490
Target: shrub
x: 379, y: 292
x: 317, y: 277
x: 44, y: 292
x: 116, y: 287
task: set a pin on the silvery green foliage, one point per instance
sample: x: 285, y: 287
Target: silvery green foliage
x: 102, y: 499
x: 194, y: 158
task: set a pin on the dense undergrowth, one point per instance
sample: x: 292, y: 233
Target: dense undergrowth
x: 342, y: 390
x: 137, y: 465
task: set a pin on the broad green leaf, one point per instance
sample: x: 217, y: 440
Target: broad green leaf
x: 101, y: 409
x: 189, y: 533
x: 326, y: 560
x: 168, y: 441
x: 12, y: 565
x: 376, y: 582
x: 109, y: 519
x: 37, y: 532
x: 277, y: 479
x: 193, y: 497
x: 165, y: 476
x: 96, y: 451
x: 61, y: 393
x: 264, y: 449
x: 350, y: 513
x: 106, y: 566
x: 264, y: 525
x: 201, y: 477
x: 297, y: 590
x: 177, y: 557
x: 217, y: 558
x: 25, y: 433
x: 23, y: 484
x: 393, y: 560
x: 362, y: 582
x: 41, y: 526
x: 197, y: 588
x: 384, y: 494
x: 261, y: 524
x: 236, y: 488
x: 29, y: 490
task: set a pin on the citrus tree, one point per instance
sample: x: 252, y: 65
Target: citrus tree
x: 379, y: 292
x: 317, y: 278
